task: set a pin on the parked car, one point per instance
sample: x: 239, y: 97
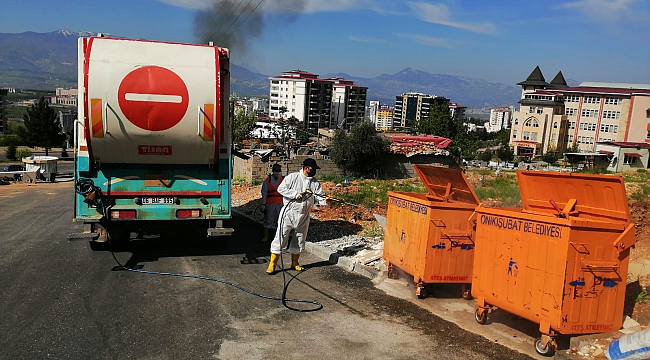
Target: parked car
x: 14, y: 168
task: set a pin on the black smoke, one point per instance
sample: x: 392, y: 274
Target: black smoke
x: 235, y: 24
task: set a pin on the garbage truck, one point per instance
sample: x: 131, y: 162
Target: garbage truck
x: 153, y: 142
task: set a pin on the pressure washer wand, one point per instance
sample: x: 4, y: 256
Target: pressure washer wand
x: 328, y: 197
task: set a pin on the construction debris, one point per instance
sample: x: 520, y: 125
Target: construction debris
x: 419, y: 145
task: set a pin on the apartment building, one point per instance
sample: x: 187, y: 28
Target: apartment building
x: 302, y: 95
x: 384, y: 117
x: 499, y: 119
x: 411, y: 107
x: 348, y: 103
x: 371, y: 111
x: 556, y: 116
x: 458, y: 112
x: 67, y: 118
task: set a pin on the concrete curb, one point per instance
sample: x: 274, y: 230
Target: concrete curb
x: 327, y: 254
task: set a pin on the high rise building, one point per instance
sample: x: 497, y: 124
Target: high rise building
x: 319, y: 103
x: 302, y: 95
x: 411, y: 107
x: 384, y: 116
x: 371, y: 111
x: 556, y: 116
x: 499, y: 119
x: 457, y: 112
x: 348, y: 103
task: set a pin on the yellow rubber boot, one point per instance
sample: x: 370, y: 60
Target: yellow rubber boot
x: 294, y: 262
x: 272, y: 264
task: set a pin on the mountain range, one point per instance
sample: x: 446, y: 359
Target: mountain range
x: 45, y: 61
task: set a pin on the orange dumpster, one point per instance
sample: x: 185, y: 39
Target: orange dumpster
x: 562, y: 260
x: 429, y: 236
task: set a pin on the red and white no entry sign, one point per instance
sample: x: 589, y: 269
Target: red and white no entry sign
x: 153, y: 98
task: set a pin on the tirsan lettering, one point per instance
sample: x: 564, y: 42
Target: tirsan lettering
x: 553, y: 231
x: 154, y: 149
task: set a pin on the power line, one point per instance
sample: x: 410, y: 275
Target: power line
x: 232, y: 12
x: 247, y: 16
x: 211, y: 21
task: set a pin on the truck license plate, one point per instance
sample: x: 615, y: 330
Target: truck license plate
x: 157, y: 201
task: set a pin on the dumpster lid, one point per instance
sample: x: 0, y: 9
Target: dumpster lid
x: 599, y: 197
x: 444, y: 184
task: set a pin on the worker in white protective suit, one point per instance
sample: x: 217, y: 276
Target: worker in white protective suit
x: 299, y: 191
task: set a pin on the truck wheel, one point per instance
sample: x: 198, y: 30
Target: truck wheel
x: 547, y: 349
x: 98, y: 245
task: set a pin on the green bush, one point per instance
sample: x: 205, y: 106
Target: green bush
x: 640, y: 170
x: 23, y: 153
x: 9, y: 140
x: 10, y: 151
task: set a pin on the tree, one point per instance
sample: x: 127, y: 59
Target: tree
x: 465, y: 144
x: 242, y: 125
x: 41, y: 127
x: 439, y: 122
x: 358, y: 152
x: 485, y: 155
x: 551, y: 156
x: 428, y: 125
x: 10, y: 152
x: 502, y: 137
x: 505, y: 153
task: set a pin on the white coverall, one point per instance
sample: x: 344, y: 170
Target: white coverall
x: 295, y: 214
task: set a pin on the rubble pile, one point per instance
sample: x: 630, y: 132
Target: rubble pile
x: 414, y: 147
x: 419, y: 145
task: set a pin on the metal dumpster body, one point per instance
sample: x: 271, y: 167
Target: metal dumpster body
x: 429, y: 236
x: 562, y: 260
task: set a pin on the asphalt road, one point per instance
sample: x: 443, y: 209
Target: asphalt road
x: 60, y: 300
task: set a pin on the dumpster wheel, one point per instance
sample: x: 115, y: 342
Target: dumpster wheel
x: 467, y: 292
x: 392, y: 272
x: 421, y: 291
x: 545, y: 348
x: 481, y: 315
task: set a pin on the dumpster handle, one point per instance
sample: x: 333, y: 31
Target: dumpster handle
x: 626, y: 240
x: 599, y: 265
x: 560, y: 214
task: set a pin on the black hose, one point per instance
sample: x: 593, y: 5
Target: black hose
x: 284, y: 299
x: 88, y: 186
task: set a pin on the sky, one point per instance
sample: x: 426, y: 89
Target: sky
x: 498, y: 41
